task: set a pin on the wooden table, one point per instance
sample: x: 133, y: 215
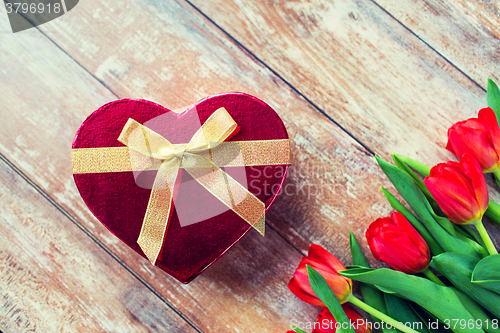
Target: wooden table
x: 349, y: 79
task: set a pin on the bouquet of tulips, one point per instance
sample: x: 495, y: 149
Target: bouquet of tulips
x: 445, y: 274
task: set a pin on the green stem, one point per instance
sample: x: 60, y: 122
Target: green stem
x: 421, y: 168
x: 496, y: 175
x: 298, y: 330
x: 493, y: 211
x: 374, y: 312
x: 486, y: 238
x: 433, y: 277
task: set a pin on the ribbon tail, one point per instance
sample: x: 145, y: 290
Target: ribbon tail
x: 230, y: 192
x: 157, y: 217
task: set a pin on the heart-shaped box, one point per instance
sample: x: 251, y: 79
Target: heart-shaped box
x: 207, y: 228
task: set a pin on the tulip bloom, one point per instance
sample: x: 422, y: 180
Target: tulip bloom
x: 459, y: 189
x: 326, y: 322
x: 327, y: 265
x: 479, y: 137
x: 394, y: 241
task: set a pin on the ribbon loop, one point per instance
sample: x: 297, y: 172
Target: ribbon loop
x: 146, y: 147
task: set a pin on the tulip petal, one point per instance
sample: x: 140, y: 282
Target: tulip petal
x: 450, y: 166
x: 326, y: 322
x: 455, y: 202
x: 453, y: 192
x: 302, y: 279
x: 341, y: 286
x: 475, y: 142
x: 355, y: 317
x: 448, y: 144
x: 318, y: 252
x: 488, y: 117
x: 473, y: 124
x: 418, y: 241
x: 401, y: 255
x: 394, y: 241
x: 325, y: 264
x: 457, y: 177
x: 473, y: 170
x: 297, y: 291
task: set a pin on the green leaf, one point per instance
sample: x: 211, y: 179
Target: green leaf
x: 407, y: 189
x: 486, y: 274
x: 371, y: 296
x: 468, y: 232
x: 358, y: 257
x: 375, y: 298
x: 494, y: 97
x: 458, y: 269
x: 493, y: 211
x: 419, y: 183
x: 443, y: 221
x: 438, y: 300
x: 496, y: 175
x: 463, y: 236
x: 476, y: 311
x: 323, y: 291
x: 433, y: 245
x: 400, y: 310
x: 406, y: 164
x: 402, y: 165
x: 421, y: 168
x: 385, y: 290
x: 429, y: 201
x: 298, y: 330
x: 431, y: 322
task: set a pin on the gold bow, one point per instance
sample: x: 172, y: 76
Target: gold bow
x: 202, y: 158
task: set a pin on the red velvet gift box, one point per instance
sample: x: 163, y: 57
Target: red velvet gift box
x: 201, y: 228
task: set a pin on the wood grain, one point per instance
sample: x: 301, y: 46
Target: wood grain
x: 360, y: 66
x: 327, y: 164
x: 467, y: 33
x: 54, y: 278
x: 373, y: 78
x: 248, y: 278
x: 418, y: 136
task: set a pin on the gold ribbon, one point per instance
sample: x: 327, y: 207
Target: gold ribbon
x: 202, y: 158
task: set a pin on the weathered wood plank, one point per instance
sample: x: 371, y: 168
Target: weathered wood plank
x: 362, y: 67
x: 56, y: 279
x: 248, y: 283
x: 465, y: 32
x: 389, y: 117
x: 168, y: 54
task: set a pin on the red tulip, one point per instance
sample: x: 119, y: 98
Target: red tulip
x: 326, y: 322
x: 327, y: 265
x: 394, y: 241
x: 479, y: 137
x: 459, y: 189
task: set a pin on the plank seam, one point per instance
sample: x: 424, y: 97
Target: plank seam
x: 3, y: 329
x: 98, y: 242
x: 368, y: 151
x: 257, y: 59
x: 286, y: 240
x: 428, y: 45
